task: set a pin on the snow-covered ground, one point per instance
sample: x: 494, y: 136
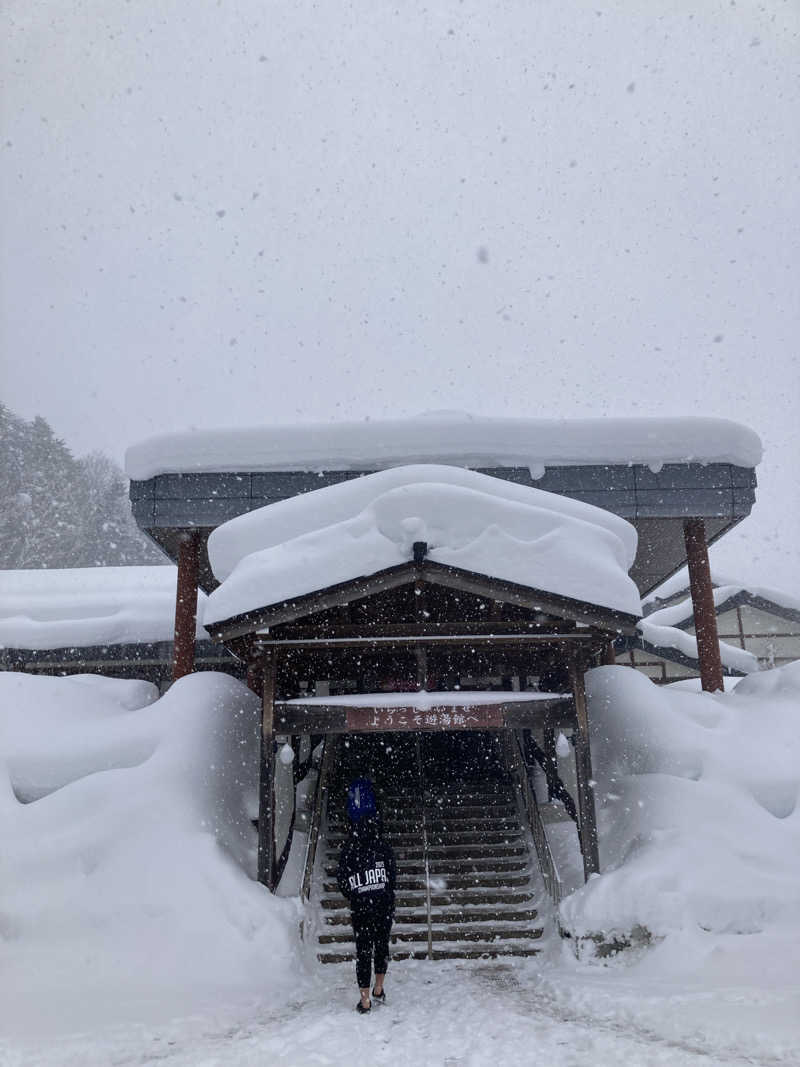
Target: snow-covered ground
x: 131, y: 931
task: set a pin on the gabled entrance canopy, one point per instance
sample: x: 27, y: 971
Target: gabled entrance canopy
x: 422, y: 646
x: 317, y: 608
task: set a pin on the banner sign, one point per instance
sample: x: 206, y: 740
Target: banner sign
x: 439, y: 717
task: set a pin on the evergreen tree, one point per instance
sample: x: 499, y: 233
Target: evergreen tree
x: 57, y: 511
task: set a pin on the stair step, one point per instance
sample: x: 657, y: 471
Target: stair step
x: 459, y: 915
x: 484, y: 934
x: 454, y: 881
x: 494, y: 858
x: 453, y: 898
x: 440, y: 838
x: 446, y: 952
x: 456, y: 821
x: 489, y: 865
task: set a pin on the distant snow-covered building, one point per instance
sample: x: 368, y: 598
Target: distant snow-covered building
x: 759, y: 628
x: 116, y: 621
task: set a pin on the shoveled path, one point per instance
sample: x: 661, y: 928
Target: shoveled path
x: 451, y: 1014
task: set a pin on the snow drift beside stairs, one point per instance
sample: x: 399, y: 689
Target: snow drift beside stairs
x: 697, y: 798
x: 126, y: 871
x: 469, y: 520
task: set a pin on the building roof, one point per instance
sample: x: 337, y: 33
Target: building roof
x: 88, y: 607
x: 447, y: 437
x: 466, y: 521
x: 652, y: 472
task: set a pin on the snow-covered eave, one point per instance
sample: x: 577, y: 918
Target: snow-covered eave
x: 608, y: 619
x: 91, y: 608
x: 425, y: 700
x: 726, y: 598
x: 668, y: 642
x: 455, y: 439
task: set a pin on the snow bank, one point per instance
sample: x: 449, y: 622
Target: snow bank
x: 128, y: 851
x: 697, y: 804
x: 81, y: 607
x: 468, y: 520
x: 447, y: 437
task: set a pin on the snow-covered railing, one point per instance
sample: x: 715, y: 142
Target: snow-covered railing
x: 320, y: 797
x: 521, y: 777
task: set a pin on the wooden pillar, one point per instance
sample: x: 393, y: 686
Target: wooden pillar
x: 266, y: 784
x: 186, y: 606
x: 609, y: 655
x: 705, y: 614
x: 255, y: 676
x: 587, y: 828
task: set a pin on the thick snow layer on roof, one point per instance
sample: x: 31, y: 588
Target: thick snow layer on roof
x: 288, y: 519
x: 469, y: 520
x: 447, y: 437
x: 82, y: 607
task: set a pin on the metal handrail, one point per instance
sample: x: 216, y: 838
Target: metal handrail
x: 425, y: 847
x: 320, y: 796
x: 519, y: 770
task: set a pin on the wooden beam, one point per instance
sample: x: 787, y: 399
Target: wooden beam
x: 266, y: 787
x: 186, y: 606
x: 705, y: 612
x: 607, y: 619
x: 467, y: 640
x: 429, y: 628
x: 309, y: 604
x: 587, y: 828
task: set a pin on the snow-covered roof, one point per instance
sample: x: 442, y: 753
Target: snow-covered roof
x: 663, y: 628
x: 447, y: 437
x: 89, y: 606
x: 725, y: 589
x: 468, y: 520
x: 662, y: 636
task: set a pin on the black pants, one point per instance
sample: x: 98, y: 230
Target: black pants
x: 371, y: 931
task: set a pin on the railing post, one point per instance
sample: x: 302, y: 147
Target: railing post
x: 587, y: 830
x: 266, y: 787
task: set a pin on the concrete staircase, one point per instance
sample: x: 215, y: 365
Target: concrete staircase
x: 464, y: 885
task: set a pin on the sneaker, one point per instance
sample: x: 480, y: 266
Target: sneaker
x: 361, y: 1009
x: 380, y: 997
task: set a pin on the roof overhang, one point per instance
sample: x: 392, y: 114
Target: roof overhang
x: 432, y: 573
x: 656, y: 503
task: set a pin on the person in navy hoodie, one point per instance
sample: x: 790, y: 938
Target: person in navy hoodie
x: 367, y: 876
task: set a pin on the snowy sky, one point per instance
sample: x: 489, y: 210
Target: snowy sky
x: 223, y: 213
